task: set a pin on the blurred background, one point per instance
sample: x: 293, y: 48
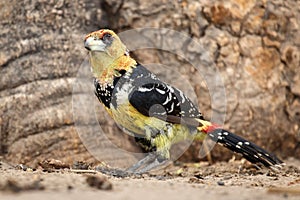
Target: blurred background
x: 254, y: 45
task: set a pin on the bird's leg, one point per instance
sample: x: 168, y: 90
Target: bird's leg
x: 155, y: 164
x: 150, y: 162
x: 141, y: 162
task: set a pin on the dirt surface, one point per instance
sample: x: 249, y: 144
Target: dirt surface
x: 231, y: 180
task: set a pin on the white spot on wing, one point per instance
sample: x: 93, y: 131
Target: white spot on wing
x: 162, y: 113
x: 172, y: 107
x: 182, y: 96
x: 143, y: 89
x: 170, y: 88
x: 166, y: 101
x: 160, y: 91
x: 153, y: 76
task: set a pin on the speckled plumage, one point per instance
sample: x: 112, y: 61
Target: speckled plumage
x: 155, y: 113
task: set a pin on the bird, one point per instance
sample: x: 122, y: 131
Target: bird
x: 155, y: 113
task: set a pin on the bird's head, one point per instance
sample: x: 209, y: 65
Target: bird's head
x: 105, y: 42
x: 107, y: 54
x: 104, y: 47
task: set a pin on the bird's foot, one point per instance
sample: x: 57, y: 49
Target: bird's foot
x: 150, y: 162
x: 114, y: 172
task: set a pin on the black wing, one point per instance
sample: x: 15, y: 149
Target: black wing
x: 152, y: 97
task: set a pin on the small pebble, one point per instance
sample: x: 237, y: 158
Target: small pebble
x: 221, y: 183
x: 99, y: 182
x: 70, y: 187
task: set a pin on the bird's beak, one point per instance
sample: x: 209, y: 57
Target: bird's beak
x: 92, y: 44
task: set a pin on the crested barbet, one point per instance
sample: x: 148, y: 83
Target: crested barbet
x: 155, y: 113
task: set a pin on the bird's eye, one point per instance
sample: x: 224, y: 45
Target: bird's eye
x: 107, y: 36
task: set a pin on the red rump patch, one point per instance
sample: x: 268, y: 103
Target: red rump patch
x: 211, y: 128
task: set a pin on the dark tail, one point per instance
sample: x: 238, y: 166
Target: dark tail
x: 249, y: 150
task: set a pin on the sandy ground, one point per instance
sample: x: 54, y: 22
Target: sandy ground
x: 231, y: 180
